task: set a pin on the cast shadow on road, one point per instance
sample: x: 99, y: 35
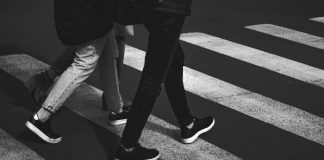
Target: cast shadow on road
x: 16, y: 90
x: 85, y: 137
x: 168, y: 132
x: 21, y: 105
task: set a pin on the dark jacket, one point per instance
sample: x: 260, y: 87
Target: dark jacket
x: 80, y: 21
x: 182, y: 7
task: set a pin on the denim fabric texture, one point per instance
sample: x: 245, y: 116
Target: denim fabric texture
x: 164, y: 62
x: 108, y: 65
x: 86, y: 58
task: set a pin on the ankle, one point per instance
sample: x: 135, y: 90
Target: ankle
x: 37, y: 118
x: 118, y: 111
x: 42, y: 115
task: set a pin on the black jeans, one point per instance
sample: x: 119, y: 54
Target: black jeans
x: 164, y: 62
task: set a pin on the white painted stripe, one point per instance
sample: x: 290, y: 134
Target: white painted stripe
x: 289, y: 34
x: 12, y: 149
x: 252, y: 104
x: 257, y: 57
x: 157, y: 133
x: 318, y: 19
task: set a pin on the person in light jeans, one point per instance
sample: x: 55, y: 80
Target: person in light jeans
x: 111, y: 100
x: 87, y: 56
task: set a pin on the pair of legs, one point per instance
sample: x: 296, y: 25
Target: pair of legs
x: 112, y: 100
x: 164, y: 63
x: 86, y: 57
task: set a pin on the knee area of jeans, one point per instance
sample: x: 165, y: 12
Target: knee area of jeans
x: 175, y: 73
x: 85, y: 64
x: 88, y: 53
x: 150, y: 77
x: 85, y: 69
x: 150, y: 90
x: 79, y: 72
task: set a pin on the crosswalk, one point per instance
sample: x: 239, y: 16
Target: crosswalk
x: 318, y: 19
x: 15, y: 150
x: 247, y: 102
x: 286, y: 117
x: 289, y: 34
x: 257, y: 57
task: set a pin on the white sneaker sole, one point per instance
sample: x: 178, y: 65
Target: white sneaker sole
x: 155, y: 158
x: 194, y: 137
x: 41, y: 135
x: 118, y: 122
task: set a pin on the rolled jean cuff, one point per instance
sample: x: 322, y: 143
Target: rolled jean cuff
x: 49, y: 109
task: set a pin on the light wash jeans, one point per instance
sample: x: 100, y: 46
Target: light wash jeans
x: 103, y: 51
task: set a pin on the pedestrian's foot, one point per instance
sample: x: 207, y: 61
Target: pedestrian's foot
x: 43, y: 130
x: 136, y: 153
x: 200, y: 126
x: 119, y: 118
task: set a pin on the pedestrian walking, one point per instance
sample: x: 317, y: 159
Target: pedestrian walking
x: 112, y: 101
x: 87, y: 26
x: 164, y: 63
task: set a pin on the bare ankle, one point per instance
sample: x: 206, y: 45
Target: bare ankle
x: 43, y: 114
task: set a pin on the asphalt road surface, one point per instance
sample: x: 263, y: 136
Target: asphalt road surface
x: 257, y: 66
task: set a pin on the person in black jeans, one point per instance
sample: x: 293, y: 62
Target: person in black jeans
x: 164, y: 62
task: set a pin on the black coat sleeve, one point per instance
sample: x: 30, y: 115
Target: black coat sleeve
x: 80, y: 21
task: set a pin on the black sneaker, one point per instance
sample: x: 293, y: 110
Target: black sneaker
x: 43, y: 130
x: 200, y: 126
x: 137, y: 153
x: 119, y: 118
x: 38, y: 86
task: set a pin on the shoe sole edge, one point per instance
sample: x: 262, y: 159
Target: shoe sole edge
x: 155, y: 158
x: 194, y: 137
x: 118, y: 122
x: 41, y: 135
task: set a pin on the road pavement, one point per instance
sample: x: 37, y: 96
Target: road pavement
x: 255, y: 65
